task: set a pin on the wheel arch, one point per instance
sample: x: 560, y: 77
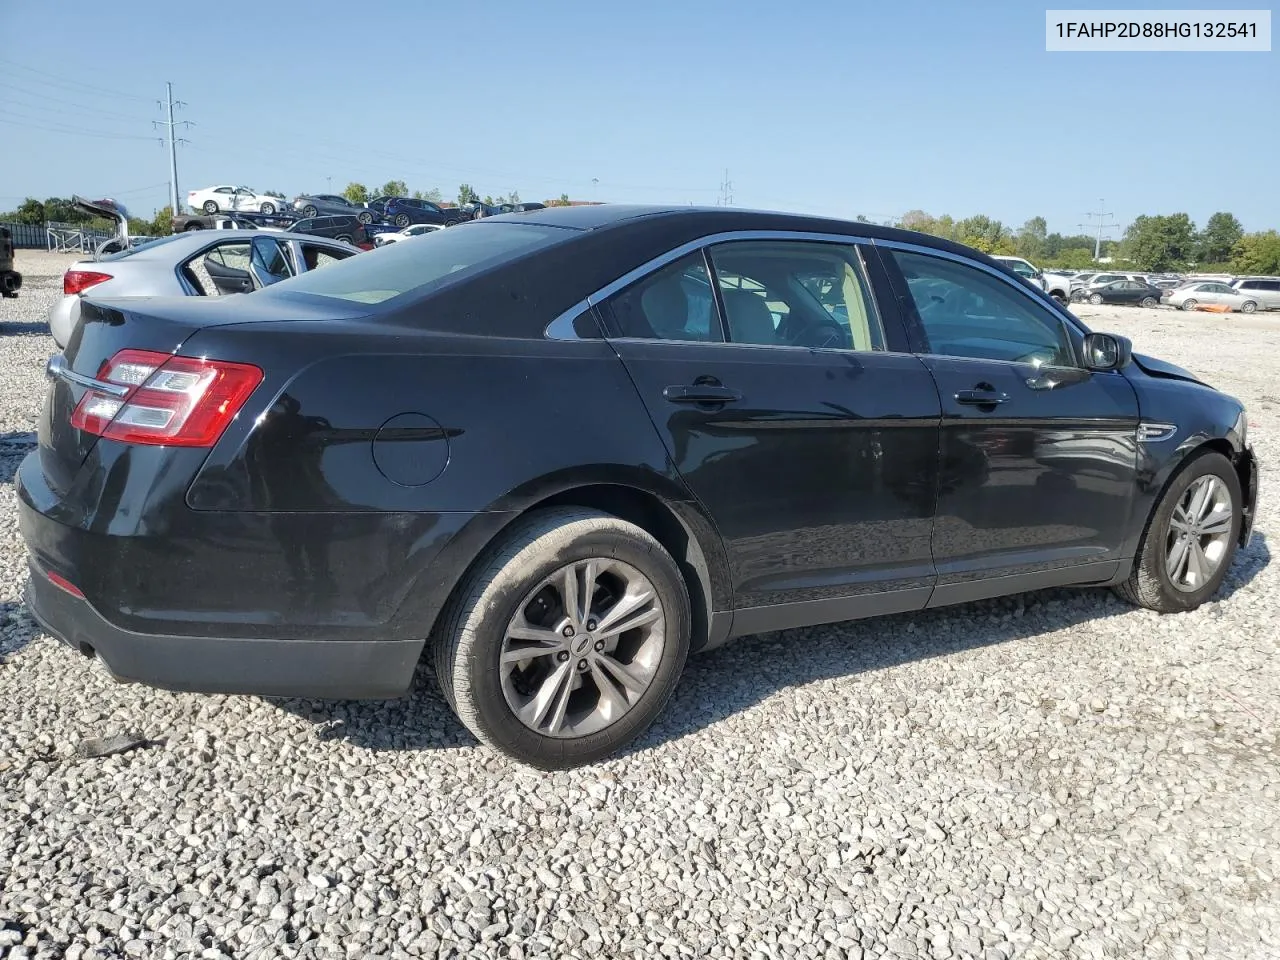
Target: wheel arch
x: 680, y: 526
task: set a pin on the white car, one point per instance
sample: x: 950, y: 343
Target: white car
x: 1191, y: 295
x: 416, y: 230
x: 223, y: 198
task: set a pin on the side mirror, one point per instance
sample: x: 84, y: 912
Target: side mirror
x: 1104, y: 352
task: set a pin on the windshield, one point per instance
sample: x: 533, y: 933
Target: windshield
x: 428, y: 262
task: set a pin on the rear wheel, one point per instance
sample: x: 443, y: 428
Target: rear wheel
x: 1189, y: 304
x: 365, y: 217
x: 568, y: 643
x: 310, y: 211
x: 192, y: 226
x: 402, y: 220
x: 1248, y: 307
x: 1190, y: 540
x: 1095, y: 299
x: 1149, y: 302
x: 1062, y: 300
x: 210, y: 207
x: 452, y: 223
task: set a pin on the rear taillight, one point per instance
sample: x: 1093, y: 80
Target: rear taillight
x: 170, y: 401
x: 77, y: 281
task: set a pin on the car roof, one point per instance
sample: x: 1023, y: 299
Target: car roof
x: 706, y: 220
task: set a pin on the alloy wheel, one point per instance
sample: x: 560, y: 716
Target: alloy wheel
x: 583, y: 648
x: 1248, y: 307
x: 1096, y: 299
x: 1189, y: 304
x: 1199, y: 534
x: 1148, y: 302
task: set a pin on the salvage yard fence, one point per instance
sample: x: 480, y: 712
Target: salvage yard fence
x: 58, y: 237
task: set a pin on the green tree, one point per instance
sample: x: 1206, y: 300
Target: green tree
x: 513, y: 197
x: 394, y: 188
x: 31, y: 211
x: 982, y: 233
x: 1257, y: 253
x: 1218, y: 238
x: 356, y: 193
x: 466, y: 194
x: 1030, y: 241
x: 1073, y: 258
x: 1160, y: 242
x: 162, y: 226
x: 488, y: 200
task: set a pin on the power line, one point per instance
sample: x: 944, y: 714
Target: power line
x: 55, y: 80
x: 106, y: 114
x: 23, y: 121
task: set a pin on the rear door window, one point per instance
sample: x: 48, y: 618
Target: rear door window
x: 672, y: 303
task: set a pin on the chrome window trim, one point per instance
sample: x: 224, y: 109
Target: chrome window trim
x: 561, y: 328
x: 57, y: 369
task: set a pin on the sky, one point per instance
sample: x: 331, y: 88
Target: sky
x: 836, y: 108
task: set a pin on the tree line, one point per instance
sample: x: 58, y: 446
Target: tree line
x: 1155, y: 243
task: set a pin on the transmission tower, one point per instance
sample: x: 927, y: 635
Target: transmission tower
x: 726, y: 191
x: 169, y: 103
x: 1101, y: 224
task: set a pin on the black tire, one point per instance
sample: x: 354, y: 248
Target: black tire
x: 345, y: 238
x: 468, y: 638
x: 192, y: 226
x: 402, y: 220
x: 1062, y: 301
x: 210, y: 207
x: 452, y: 223
x: 1095, y: 299
x: 310, y: 211
x: 1149, y: 584
x: 1189, y: 304
x: 365, y: 217
x: 267, y: 209
x: 1248, y: 307
x: 1149, y: 302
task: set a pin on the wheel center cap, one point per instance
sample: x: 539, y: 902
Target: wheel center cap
x: 581, y: 644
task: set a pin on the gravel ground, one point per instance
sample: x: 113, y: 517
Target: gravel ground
x: 1055, y: 775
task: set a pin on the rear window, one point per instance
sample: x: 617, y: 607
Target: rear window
x: 427, y: 263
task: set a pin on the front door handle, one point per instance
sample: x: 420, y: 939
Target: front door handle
x: 700, y: 393
x: 981, y: 398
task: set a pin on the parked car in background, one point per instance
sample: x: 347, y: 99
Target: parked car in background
x: 480, y: 210
x: 1126, y: 291
x: 10, y: 279
x: 222, y: 198
x: 1052, y: 282
x: 310, y: 205
x: 230, y: 221
x: 1191, y: 295
x: 403, y: 211
x: 1083, y: 285
x: 1266, y: 290
x: 199, y: 263
x: 345, y: 228
x: 416, y: 230
x: 301, y: 492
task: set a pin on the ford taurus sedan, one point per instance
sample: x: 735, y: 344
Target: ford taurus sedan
x: 560, y: 451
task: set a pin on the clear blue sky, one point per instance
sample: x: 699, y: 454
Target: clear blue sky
x: 831, y: 106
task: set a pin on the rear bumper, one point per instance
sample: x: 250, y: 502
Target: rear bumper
x: 335, y: 669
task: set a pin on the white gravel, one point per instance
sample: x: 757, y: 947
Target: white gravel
x: 1055, y: 775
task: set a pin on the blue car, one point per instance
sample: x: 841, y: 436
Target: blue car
x: 404, y: 211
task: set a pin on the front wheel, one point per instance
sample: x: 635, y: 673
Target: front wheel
x: 1190, y: 540
x: 1189, y: 304
x: 309, y: 211
x: 210, y: 207
x: 1248, y: 307
x: 452, y: 223
x: 1095, y: 299
x: 268, y: 208
x: 1149, y: 302
x: 402, y: 220
x: 568, y: 642
x: 365, y: 217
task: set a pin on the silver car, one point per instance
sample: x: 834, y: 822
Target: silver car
x: 1215, y: 292
x: 317, y: 204
x: 1266, y: 290
x: 202, y: 263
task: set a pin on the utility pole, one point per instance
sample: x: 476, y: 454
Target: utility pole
x: 1101, y: 215
x: 169, y: 103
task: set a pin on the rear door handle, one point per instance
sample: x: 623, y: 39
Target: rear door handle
x: 981, y: 398
x: 700, y: 393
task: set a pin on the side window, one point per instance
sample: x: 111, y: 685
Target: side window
x: 796, y: 294
x: 966, y: 312
x: 316, y: 257
x: 267, y: 255
x: 210, y: 271
x: 674, y: 303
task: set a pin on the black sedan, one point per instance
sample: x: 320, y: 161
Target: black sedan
x: 559, y: 451
x: 1134, y: 292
